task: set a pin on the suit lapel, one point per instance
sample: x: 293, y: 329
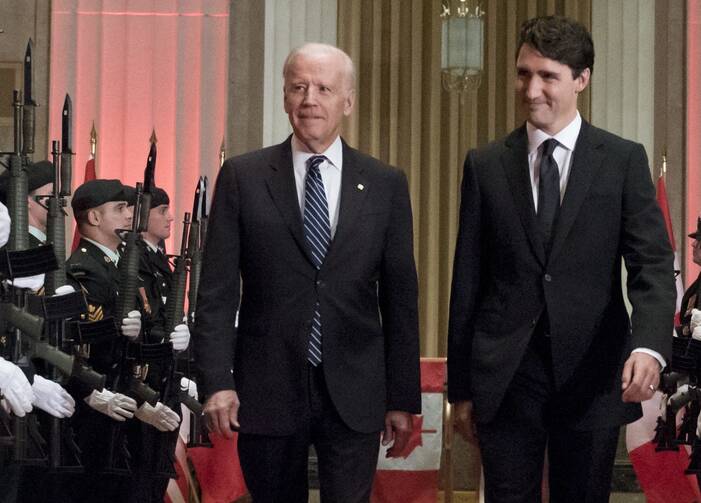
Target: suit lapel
x: 515, y: 164
x: 351, y: 199
x: 283, y: 191
x: 585, y: 163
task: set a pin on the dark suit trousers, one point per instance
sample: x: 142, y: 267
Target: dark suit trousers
x: 531, y: 418
x: 275, y: 467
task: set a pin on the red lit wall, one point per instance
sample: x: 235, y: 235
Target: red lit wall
x: 133, y: 66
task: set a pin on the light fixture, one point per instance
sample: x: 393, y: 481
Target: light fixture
x: 462, y: 45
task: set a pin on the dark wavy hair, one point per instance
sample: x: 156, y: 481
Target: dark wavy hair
x: 561, y: 39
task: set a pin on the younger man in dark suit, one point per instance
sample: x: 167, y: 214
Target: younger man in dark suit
x: 540, y: 343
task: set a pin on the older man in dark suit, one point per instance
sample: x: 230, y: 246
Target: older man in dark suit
x: 541, y: 349
x: 317, y: 237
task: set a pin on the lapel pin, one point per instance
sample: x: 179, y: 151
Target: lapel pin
x: 361, y: 186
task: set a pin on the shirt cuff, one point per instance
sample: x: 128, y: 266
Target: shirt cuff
x: 652, y: 353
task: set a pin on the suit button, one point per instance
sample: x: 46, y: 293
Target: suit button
x: 548, y: 278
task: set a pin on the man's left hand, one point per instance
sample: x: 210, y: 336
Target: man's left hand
x: 398, y: 428
x: 641, y: 377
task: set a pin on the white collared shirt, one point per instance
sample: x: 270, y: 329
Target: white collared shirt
x: 37, y: 233
x: 330, y: 171
x: 567, y: 139
x: 154, y: 248
x: 111, y: 254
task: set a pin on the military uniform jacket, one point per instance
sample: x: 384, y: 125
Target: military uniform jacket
x: 689, y: 301
x: 156, y: 277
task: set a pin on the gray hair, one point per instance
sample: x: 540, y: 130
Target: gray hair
x: 317, y: 49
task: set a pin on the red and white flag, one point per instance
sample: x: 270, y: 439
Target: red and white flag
x: 661, y: 474
x: 89, y: 175
x: 414, y: 475
x: 218, y: 470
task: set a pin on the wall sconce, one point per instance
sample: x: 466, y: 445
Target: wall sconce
x: 462, y: 45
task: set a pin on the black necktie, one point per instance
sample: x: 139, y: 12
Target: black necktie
x: 548, y: 192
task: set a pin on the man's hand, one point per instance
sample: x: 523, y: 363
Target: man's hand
x: 115, y: 405
x: 464, y: 421
x: 221, y: 411
x: 180, y: 337
x: 16, y: 389
x: 161, y: 417
x: 641, y: 377
x: 131, y: 325
x: 695, y: 319
x: 398, y: 428
x: 50, y: 397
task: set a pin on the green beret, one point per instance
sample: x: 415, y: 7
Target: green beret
x: 96, y: 193
x: 38, y: 174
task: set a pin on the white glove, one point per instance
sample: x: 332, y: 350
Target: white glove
x: 64, y: 290
x: 15, y: 388
x: 131, y: 325
x: 5, y: 225
x: 189, y: 386
x: 180, y: 337
x: 160, y: 417
x: 696, y: 334
x: 33, y: 283
x: 115, y: 405
x: 50, y: 397
x: 695, y: 319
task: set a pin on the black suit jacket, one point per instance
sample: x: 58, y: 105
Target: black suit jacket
x: 503, y: 282
x: 366, y: 289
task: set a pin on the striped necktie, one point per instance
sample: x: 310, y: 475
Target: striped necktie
x: 317, y: 233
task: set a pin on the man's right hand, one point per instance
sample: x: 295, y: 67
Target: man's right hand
x: 15, y: 387
x: 221, y: 410
x: 115, y: 405
x: 464, y: 421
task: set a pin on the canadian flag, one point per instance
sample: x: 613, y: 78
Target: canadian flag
x: 218, y: 470
x: 413, y: 476
x: 661, y: 474
x: 89, y: 175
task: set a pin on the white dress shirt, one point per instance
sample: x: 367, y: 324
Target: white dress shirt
x: 563, y: 155
x: 330, y: 170
x: 37, y: 233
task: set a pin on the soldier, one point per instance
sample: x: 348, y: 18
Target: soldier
x: 156, y: 277
x: 154, y: 264
x: 690, y: 313
x: 21, y: 388
x: 40, y: 176
x: 101, y: 210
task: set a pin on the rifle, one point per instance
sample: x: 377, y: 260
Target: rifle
x: 28, y: 445
x: 130, y: 380
x: 175, y: 307
x: 195, y: 243
x: 194, y: 250
x: 29, y: 103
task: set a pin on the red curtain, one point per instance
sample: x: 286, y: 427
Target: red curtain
x: 132, y: 66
